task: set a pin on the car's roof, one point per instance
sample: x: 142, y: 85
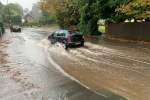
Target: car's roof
x: 15, y: 25
x: 67, y: 30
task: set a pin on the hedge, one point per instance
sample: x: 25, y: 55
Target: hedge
x: 2, y: 28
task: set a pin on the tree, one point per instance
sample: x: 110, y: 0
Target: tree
x: 138, y: 9
x: 35, y: 20
x: 65, y: 11
x: 26, y: 21
x: 26, y: 10
x: 1, y: 18
x: 1, y: 5
x: 4, y: 12
x: 15, y: 8
x: 20, y: 7
x: 14, y: 12
x: 36, y: 11
x: 93, y: 10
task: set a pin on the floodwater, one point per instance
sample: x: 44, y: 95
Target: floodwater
x: 100, y: 70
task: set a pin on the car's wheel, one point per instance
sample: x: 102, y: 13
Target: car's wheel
x: 64, y: 46
x: 52, y: 42
x: 82, y: 44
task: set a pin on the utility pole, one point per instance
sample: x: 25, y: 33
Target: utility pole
x: 8, y: 13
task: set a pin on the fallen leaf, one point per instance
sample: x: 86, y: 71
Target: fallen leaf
x: 11, y: 89
x: 43, y: 98
x: 52, y: 91
x: 33, y: 92
x: 81, y: 76
x: 43, y: 83
x: 8, y: 84
x: 37, y: 87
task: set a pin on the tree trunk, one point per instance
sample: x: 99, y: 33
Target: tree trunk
x: 94, y: 28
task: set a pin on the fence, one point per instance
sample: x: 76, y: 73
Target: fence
x: 129, y: 30
x: 2, y: 28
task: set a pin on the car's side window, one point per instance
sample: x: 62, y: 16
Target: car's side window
x: 61, y: 33
x: 55, y: 33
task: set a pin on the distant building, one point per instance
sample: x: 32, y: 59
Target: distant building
x: 29, y: 17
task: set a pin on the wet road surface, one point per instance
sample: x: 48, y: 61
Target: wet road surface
x: 101, y: 70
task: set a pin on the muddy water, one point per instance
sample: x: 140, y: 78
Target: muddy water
x: 107, y: 68
x: 123, y: 70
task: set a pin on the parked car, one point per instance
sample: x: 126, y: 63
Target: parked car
x: 15, y: 29
x: 68, y: 38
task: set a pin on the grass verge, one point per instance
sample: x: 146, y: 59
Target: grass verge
x: 101, y: 28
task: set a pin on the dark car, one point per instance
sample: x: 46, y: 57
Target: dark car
x: 69, y: 38
x: 15, y: 29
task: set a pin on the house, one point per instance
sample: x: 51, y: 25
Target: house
x: 29, y: 17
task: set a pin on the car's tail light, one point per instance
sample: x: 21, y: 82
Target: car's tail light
x: 13, y: 28
x: 74, y: 30
x: 68, y: 38
x: 83, y: 37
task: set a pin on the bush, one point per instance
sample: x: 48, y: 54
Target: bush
x: 2, y: 27
x: 26, y: 21
x: 13, y: 18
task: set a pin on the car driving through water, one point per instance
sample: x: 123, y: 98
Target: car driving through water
x: 69, y: 38
x: 15, y: 29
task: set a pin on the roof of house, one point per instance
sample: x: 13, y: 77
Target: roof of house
x: 27, y: 15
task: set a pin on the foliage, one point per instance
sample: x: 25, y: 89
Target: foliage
x: 1, y: 5
x: 3, y: 12
x: 35, y: 20
x: 26, y: 10
x: 12, y: 10
x: 26, y: 21
x: 139, y: 9
x: 16, y: 8
x: 1, y: 18
x: 13, y: 18
x: 35, y: 12
x: 65, y: 11
x: 93, y: 10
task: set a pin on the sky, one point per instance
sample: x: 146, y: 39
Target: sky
x: 23, y: 3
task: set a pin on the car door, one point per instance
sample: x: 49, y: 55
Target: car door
x: 53, y: 37
x: 61, y: 36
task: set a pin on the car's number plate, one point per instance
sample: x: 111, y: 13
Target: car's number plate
x: 78, y: 43
x: 16, y: 28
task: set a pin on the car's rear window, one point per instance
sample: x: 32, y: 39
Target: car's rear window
x: 15, y: 26
x: 74, y: 32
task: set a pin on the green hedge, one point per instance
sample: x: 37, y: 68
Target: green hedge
x: 2, y: 28
x: 13, y: 18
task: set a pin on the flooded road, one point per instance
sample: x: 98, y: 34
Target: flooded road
x: 101, y: 70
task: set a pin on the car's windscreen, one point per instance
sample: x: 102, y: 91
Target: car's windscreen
x: 74, y: 32
x: 16, y: 27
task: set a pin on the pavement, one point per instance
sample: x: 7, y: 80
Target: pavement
x: 31, y: 68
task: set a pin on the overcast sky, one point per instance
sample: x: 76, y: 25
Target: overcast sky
x: 23, y: 3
